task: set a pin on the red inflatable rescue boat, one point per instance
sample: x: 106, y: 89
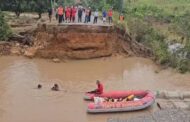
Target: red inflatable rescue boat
x: 143, y: 100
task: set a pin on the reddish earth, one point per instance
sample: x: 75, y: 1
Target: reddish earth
x: 5, y: 48
x: 74, y: 42
x: 84, y: 42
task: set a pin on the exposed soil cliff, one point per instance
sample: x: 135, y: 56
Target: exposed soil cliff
x: 75, y: 42
x: 84, y: 42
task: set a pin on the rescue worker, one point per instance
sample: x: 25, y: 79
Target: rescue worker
x: 60, y: 13
x: 68, y: 14
x: 110, y: 14
x: 73, y: 14
x: 100, y: 88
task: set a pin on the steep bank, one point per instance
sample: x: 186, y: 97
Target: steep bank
x: 85, y: 42
x: 77, y: 42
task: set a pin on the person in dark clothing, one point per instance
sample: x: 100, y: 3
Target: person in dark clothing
x: 71, y: 12
x: 90, y: 13
x: 104, y: 15
x: 39, y: 86
x: 65, y: 13
x: 50, y: 14
x: 80, y: 15
x: 56, y: 14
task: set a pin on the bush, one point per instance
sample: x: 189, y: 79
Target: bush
x: 141, y: 21
x: 5, y: 31
x: 181, y: 25
x: 161, y: 52
x: 146, y: 34
x: 183, y: 65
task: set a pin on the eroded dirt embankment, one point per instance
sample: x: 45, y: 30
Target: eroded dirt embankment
x: 84, y: 42
x: 80, y: 42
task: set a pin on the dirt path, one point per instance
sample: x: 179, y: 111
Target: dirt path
x: 29, y: 21
x: 99, y: 23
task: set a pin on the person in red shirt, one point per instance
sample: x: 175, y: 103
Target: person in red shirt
x: 73, y: 13
x: 60, y: 13
x: 68, y: 14
x: 110, y: 14
x: 99, y: 90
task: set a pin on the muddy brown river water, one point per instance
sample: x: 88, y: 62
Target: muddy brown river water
x: 20, y: 101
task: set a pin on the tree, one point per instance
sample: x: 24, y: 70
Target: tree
x: 16, y: 6
x: 5, y: 31
x: 104, y: 4
x: 65, y: 2
x: 19, y: 6
x: 39, y: 6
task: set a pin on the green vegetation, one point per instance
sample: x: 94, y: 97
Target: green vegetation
x: 5, y: 31
x: 38, y: 6
x: 103, y: 4
x: 19, y: 6
x: 157, y: 24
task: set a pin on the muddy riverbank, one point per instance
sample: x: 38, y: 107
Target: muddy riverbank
x: 20, y: 101
x: 74, y: 42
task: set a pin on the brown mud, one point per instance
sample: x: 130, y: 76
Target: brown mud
x: 75, y: 42
x: 85, y: 42
x: 20, y: 101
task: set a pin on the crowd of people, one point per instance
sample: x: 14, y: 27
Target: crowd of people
x: 69, y: 14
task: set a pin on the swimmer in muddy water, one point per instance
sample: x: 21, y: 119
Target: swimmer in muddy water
x: 55, y: 87
x: 39, y: 86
